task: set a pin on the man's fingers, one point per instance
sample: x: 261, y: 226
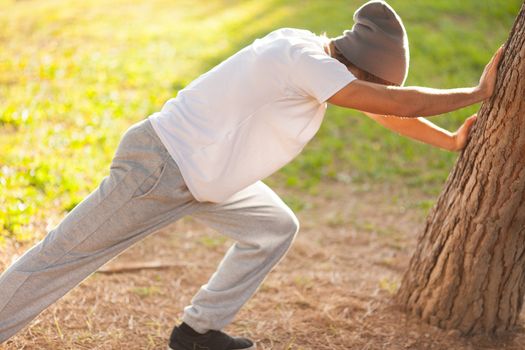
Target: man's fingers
x: 468, y: 124
x: 498, y: 55
x: 496, y: 58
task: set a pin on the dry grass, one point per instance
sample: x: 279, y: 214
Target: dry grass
x: 332, y: 291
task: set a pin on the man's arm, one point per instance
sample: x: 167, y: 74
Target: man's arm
x: 425, y: 131
x: 415, y: 101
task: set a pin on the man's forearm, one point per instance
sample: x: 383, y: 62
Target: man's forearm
x: 416, y: 101
x: 409, y: 102
x: 419, y: 129
x: 422, y: 101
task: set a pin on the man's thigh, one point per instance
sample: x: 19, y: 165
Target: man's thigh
x: 253, y: 209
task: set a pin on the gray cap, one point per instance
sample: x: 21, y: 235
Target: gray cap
x: 377, y: 43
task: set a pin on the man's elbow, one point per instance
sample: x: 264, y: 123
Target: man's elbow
x: 402, y: 103
x: 415, y: 107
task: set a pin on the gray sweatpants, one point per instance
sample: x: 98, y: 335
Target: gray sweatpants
x: 143, y: 193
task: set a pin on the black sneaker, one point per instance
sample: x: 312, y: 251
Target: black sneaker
x: 184, y: 337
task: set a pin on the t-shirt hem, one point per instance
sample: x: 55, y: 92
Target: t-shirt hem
x: 178, y: 159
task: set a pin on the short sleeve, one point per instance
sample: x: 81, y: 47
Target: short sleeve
x: 319, y: 75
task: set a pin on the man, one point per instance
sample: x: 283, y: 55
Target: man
x: 206, y: 151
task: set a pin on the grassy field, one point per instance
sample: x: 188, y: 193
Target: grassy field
x: 75, y: 75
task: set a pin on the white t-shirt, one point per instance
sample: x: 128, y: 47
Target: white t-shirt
x: 251, y: 114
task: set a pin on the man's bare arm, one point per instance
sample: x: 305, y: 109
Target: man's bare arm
x: 419, y: 129
x: 415, y: 101
x: 427, y: 132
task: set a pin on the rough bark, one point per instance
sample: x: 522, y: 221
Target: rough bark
x: 468, y: 269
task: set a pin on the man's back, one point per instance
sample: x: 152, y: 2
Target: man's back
x: 251, y: 114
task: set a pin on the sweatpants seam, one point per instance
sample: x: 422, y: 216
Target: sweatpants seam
x: 169, y: 215
x: 61, y: 256
x: 70, y: 249
x: 90, y: 234
x: 16, y: 290
x: 87, y: 214
x: 118, y: 208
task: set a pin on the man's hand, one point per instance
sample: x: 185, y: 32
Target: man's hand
x: 461, y: 135
x: 487, y: 81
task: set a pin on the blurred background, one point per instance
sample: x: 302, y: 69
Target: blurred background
x: 75, y: 74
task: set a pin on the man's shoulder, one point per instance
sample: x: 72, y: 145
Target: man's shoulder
x: 292, y: 38
x: 291, y: 33
x: 294, y: 31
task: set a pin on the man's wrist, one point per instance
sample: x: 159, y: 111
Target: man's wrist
x: 453, y: 142
x: 480, y: 93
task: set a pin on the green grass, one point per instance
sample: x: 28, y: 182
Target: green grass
x: 74, y: 76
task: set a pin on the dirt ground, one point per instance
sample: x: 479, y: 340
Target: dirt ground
x: 332, y: 291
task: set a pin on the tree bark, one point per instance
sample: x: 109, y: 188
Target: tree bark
x: 468, y: 271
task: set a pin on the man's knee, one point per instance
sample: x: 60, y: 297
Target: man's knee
x: 285, y: 226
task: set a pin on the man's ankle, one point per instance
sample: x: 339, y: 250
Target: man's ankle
x: 186, y: 328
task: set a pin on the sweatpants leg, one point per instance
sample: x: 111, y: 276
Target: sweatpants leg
x: 144, y: 192
x: 264, y: 227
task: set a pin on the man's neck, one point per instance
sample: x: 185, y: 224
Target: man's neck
x: 328, y: 48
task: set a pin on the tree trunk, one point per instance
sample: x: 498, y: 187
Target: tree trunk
x: 468, y: 271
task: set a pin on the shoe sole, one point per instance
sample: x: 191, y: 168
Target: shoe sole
x: 254, y: 347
